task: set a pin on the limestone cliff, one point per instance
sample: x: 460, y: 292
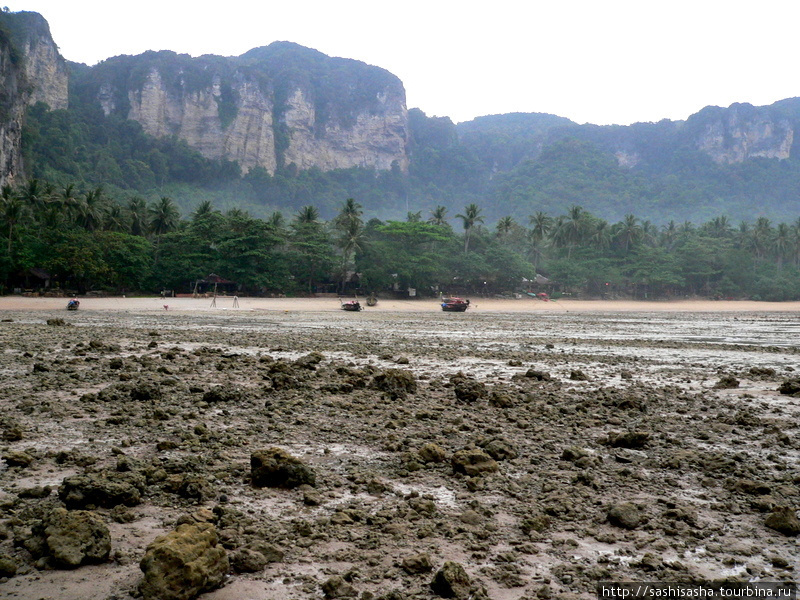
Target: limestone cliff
x: 31, y: 71
x: 741, y: 131
x: 12, y: 107
x: 45, y: 68
x: 281, y: 105
x: 194, y: 116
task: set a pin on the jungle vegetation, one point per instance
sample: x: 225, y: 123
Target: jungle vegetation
x: 86, y: 239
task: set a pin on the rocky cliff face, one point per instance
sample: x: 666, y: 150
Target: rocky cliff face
x: 31, y: 71
x: 376, y: 139
x: 742, y: 132
x: 46, y: 70
x: 195, y: 118
x: 12, y: 107
x: 259, y: 112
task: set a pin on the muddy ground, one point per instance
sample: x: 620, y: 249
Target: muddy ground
x: 628, y: 446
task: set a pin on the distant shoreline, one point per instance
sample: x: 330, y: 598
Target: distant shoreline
x: 479, y: 305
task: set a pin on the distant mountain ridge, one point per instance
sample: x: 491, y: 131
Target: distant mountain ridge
x: 286, y: 110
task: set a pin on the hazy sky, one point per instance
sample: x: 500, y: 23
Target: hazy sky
x: 595, y: 61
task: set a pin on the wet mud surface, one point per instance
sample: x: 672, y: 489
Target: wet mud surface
x: 543, y: 453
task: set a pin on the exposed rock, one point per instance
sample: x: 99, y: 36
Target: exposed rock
x: 183, y: 563
x: 12, y: 431
x: 277, y: 468
x: 74, y: 538
x: 146, y: 390
x: 432, y: 453
x: 790, y: 387
x: 31, y: 71
x: 628, y: 439
x: 784, y: 520
x: 727, y: 382
x: 418, y: 563
x: 451, y: 581
x: 424, y: 506
x: 336, y: 587
x: 534, y: 523
x: 764, y: 372
x: 356, y: 118
x: 538, y: 375
x: 471, y: 517
x: 18, y: 458
x: 501, y: 399
x: 246, y: 560
x: 629, y: 455
x: 224, y: 393
x: 625, y: 515
x: 737, y: 133
x: 573, y: 453
x: 36, y: 491
x: 107, y: 490
x: 309, y: 361
x: 397, y: 383
x: 748, y: 486
x: 467, y: 389
x: 500, y: 449
x: 311, y: 497
x: 8, y: 566
x: 473, y: 462
x: 194, y: 487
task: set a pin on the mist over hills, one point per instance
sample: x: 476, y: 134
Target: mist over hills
x: 285, y: 126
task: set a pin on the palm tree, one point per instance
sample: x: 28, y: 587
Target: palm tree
x: 164, y: 216
x: 600, y: 235
x: 414, y: 217
x: 719, y: 227
x: 91, y: 210
x: 471, y: 216
x: 206, y: 207
x: 505, y: 226
x: 65, y: 205
x: 35, y: 195
x: 277, y: 220
x: 649, y: 233
x: 13, y: 210
x: 796, y: 242
x: 761, y: 237
x: 307, y: 215
x: 438, y: 216
x: 569, y: 230
x: 351, y: 210
x: 236, y: 214
x: 782, y: 244
x: 541, y: 224
x: 629, y: 232
x: 137, y: 213
x: 115, y: 219
x: 742, y: 235
x: 669, y: 235
x: 350, y: 241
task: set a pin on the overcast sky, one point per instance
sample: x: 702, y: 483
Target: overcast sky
x: 595, y: 61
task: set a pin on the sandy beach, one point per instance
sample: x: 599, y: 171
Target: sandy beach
x: 478, y: 305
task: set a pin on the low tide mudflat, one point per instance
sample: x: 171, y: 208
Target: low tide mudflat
x: 622, y: 441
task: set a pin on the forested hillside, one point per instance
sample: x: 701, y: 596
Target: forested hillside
x: 513, y: 165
